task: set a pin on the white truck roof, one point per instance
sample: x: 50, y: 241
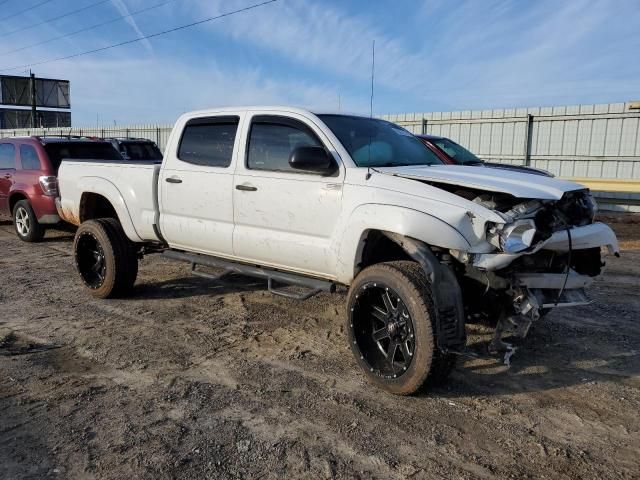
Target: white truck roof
x: 282, y: 108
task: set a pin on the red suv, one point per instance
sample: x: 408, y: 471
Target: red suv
x: 28, y: 183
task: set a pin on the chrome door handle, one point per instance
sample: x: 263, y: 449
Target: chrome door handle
x: 172, y: 180
x: 246, y: 188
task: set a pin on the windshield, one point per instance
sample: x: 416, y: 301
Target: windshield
x: 457, y: 152
x: 77, y: 150
x: 372, y: 142
x: 141, y: 151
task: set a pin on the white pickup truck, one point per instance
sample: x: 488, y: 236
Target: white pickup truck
x: 318, y: 200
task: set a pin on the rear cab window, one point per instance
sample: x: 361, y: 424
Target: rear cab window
x: 7, y: 156
x: 140, y: 151
x: 58, y: 151
x: 29, y: 159
x: 273, y: 138
x: 209, y: 141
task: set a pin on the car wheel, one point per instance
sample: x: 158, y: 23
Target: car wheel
x: 105, y: 258
x: 390, y: 315
x: 25, y: 222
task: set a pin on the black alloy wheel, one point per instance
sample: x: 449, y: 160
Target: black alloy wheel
x: 91, y: 260
x: 383, y: 330
x: 390, y: 313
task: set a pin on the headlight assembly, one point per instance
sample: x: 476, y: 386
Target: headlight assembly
x: 517, y: 236
x: 514, y: 237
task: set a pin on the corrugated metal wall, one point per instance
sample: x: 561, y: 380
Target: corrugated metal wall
x: 581, y: 141
x: 597, y: 141
x: 578, y: 142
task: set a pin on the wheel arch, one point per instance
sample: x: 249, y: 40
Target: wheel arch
x: 449, y: 322
x: 101, y: 197
x: 371, y: 223
x: 15, y: 197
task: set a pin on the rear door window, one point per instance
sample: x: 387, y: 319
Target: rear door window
x: 7, y: 156
x: 209, y: 141
x: 29, y: 158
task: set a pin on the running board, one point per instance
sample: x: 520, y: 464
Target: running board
x: 315, y: 285
x: 209, y: 276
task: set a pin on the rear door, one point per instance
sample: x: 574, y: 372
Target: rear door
x: 7, y: 172
x: 196, y: 183
x: 285, y: 217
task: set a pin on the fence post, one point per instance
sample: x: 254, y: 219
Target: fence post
x: 424, y: 126
x: 157, y: 135
x: 528, y: 136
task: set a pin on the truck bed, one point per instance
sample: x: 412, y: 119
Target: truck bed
x: 132, y: 183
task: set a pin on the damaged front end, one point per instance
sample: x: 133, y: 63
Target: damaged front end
x: 545, y: 254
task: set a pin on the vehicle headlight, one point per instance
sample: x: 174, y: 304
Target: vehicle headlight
x: 517, y: 236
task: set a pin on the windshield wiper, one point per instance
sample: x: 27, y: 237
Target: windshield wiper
x: 392, y: 164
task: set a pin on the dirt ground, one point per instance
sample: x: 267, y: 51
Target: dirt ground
x: 191, y: 379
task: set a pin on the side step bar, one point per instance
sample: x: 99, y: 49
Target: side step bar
x: 314, y: 284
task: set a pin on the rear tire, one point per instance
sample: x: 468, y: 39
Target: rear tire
x: 393, y: 338
x: 26, y: 223
x: 105, y: 258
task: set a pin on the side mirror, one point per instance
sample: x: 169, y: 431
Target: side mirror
x: 311, y: 159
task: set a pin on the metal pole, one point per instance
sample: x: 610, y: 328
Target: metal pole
x: 528, y: 137
x: 424, y: 126
x: 34, y: 120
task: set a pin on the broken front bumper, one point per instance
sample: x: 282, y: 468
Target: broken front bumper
x: 588, y: 236
x: 543, y: 277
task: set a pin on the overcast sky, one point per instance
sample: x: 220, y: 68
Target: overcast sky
x: 433, y: 55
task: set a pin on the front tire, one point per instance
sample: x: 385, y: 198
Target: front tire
x: 26, y: 223
x: 390, y: 314
x: 105, y: 258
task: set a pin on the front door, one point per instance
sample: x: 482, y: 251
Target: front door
x: 284, y: 217
x: 7, y: 171
x: 196, y: 185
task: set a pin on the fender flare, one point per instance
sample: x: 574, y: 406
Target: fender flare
x: 108, y: 190
x: 449, y: 323
x: 400, y: 220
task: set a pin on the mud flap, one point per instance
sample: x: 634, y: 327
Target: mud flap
x: 449, y: 323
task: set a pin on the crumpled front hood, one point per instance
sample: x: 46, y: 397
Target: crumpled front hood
x: 518, y: 184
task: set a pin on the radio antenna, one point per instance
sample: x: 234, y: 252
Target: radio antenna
x: 373, y: 70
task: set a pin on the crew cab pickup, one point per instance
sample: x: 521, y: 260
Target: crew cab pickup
x: 318, y: 200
